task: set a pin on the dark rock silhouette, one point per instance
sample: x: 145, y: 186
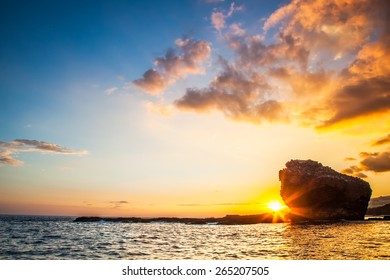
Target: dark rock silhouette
x: 378, y: 201
x: 383, y: 210
x: 316, y: 192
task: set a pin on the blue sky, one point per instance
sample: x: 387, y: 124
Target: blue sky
x: 51, y: 50
x: 68, y: 81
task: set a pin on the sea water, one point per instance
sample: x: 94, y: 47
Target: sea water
x: 37, y: 237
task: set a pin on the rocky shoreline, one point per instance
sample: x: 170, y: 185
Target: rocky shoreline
x: 227, y: 220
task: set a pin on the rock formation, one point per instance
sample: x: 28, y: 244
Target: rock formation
x: 317, y: 192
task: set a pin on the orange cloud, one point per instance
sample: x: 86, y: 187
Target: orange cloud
x: 327, y: 63
x: 152, y: 82
x: 360, y: 98
x: 350, y: 159
x: 382, y: 141
x: 372, y: 161
x: 354, y: 171
x: 365, y: 84
x: 334, y: 26
x: 377, y: 162
x: 239, y: 95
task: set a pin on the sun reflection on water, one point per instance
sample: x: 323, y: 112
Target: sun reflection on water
x: 67, y: 240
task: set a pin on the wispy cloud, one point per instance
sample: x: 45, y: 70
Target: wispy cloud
x: 6, y: 158
x: 236, y: 29
x: 218, y: 18
x: 186, y: 58
x: 383, y: 141
x: 118, y: 203
x: 193, y: 204
x: 354, y: 171
x: 111, y: 90
x: 217, y: 204
x: 160, y: 108
x: 24, y: 145
x: 7, y: 149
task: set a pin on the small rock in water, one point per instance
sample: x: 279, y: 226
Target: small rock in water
x: 317, y: 192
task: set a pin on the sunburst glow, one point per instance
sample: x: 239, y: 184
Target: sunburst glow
x: 275, y: 206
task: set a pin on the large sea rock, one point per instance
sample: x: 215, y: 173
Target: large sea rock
x: 317, y: 192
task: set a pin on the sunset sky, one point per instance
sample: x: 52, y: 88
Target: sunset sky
x: 187, y: 108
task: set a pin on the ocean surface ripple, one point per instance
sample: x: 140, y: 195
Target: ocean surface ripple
x: 37, y: 237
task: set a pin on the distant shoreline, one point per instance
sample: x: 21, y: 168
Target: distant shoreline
x: 227, y: 220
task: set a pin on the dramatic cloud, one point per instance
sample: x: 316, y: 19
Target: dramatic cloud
x: 325, y: 62
x: 334, y: 26
x: 361, y: 98
x: 365, y: 89
x: 7, y: 149
x: 186, y: 58
x: 239, y: 95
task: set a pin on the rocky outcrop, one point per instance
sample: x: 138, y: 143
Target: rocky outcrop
x: 317, y: 192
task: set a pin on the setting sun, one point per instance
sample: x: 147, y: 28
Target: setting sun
x: 275, y: 206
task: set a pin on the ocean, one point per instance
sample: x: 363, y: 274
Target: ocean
x: 47, y: 238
